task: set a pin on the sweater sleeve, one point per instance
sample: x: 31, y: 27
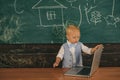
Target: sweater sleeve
x: 86, y: 49
x: 61, y: 53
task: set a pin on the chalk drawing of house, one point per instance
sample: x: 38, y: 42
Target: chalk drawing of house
x: 50, y: 13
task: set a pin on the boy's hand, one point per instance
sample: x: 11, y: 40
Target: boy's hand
x: 96, y: 47
x: 55, y: 64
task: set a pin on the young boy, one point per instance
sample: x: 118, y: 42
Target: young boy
x: 70, y: 52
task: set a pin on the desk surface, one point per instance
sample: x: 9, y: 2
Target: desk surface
x: 103, y: 73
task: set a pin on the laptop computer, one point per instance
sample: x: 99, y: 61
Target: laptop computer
x: 87, y: 71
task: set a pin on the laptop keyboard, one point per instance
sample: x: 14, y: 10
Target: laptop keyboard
x: 84, y: 71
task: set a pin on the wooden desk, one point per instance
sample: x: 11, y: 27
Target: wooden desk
x: 103, y: 73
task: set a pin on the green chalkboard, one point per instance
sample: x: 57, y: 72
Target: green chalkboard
x: 44, y: 21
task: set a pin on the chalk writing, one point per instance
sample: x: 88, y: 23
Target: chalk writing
x: 110, y: 19
x: 18, y: 12
x: 9, y: 31
x: 71, y: 1
x: 87, y: 10
x: 96, y: 17
x: 51, y: 13
x: 46, y: 20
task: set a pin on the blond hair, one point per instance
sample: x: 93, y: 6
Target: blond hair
x: 72, y: 28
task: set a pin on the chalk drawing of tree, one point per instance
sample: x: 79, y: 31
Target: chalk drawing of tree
x: 10, y: 28
x: 95, y: 17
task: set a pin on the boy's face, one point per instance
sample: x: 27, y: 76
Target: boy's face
x: 73, y: 36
